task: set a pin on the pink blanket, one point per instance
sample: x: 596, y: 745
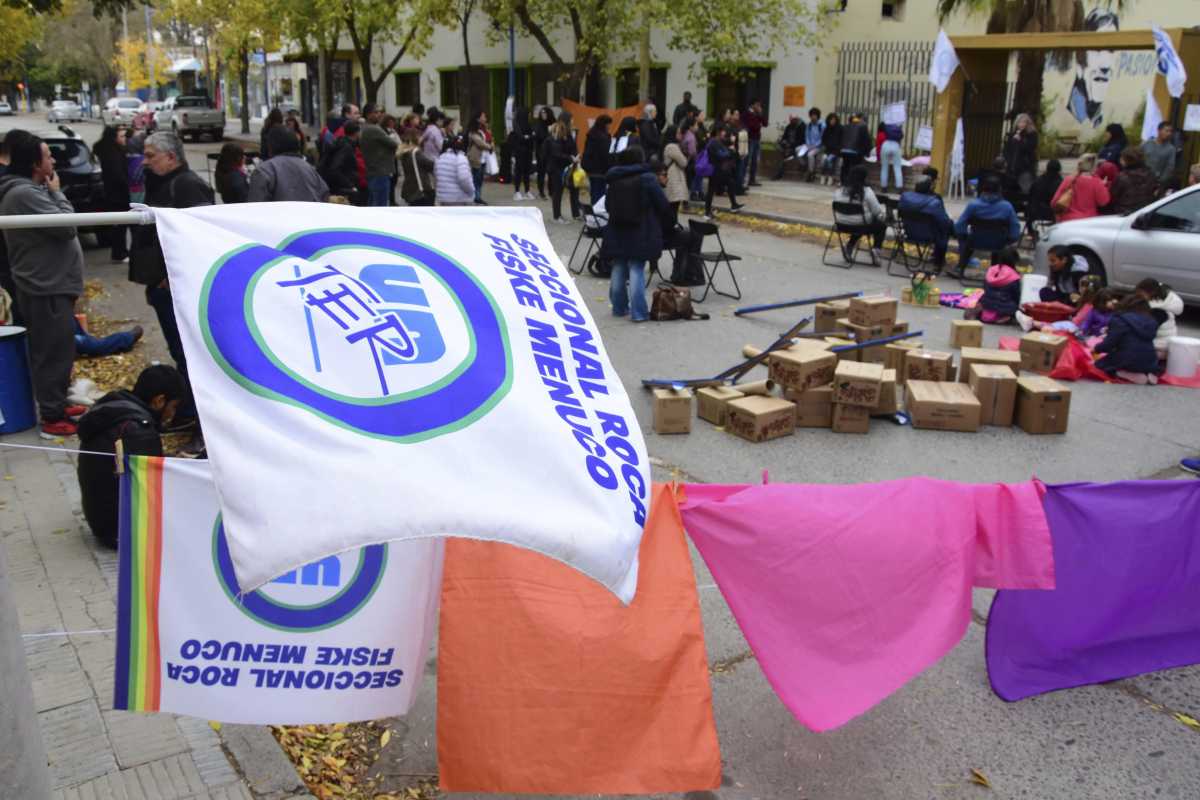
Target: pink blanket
x: 845, y: 593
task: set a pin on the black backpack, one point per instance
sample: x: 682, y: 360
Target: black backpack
x: 623, y: 201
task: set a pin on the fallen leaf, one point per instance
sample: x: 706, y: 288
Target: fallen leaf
x: 383, y: 740
x: 979, y: 778
x: 216, y: 726
x: 1190, y: 721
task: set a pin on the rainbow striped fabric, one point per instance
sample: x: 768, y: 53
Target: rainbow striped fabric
x: 138, y: 679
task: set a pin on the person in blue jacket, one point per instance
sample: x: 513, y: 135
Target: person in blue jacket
x: 1129, y: 346
x: 989, y: 205
x: 636, y: 206
x: 924, y: 200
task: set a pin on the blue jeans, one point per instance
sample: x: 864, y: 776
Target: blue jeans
x: 477, y: 176
x: 889, y: 154
x: 755, y: 150
x: 88, y: 345
x: 379, y: 190
x: 739, y: 185
x: 632, y: 272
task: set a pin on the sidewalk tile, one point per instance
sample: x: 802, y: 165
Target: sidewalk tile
x: 58, y: 678
x: 77, y: 744
x: 142, y: 738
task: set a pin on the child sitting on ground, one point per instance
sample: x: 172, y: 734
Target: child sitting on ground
x: 1129, y: 345
x: 1002, y: 289
x: 132, y: 418
x: 1165, y: 305
x: 1066, y: 272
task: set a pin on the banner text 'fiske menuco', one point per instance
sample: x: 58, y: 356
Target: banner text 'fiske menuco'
x: 286, y: 677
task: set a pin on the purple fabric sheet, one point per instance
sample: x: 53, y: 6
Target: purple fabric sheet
x: 1127, y: 558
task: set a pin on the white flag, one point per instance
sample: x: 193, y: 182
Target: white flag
x: 943, y: 63
x: 1152, y: 119
x: 368, y: 375
x: 344, y: 638
x: 1168, y: 62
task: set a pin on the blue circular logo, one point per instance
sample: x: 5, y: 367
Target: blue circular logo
x: 373, y: 332
x: 309, y: 598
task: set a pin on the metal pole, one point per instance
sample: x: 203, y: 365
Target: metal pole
x: 844, y: 348
x: 266, y: 85
x: 19, y: 221
x: 23, y: 770
x: 512, y: 63
x: 150, y: 55
x: 125, y: 39
x: 809, y: 301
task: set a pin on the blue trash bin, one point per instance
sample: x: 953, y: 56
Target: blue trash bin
x: 17, y: 411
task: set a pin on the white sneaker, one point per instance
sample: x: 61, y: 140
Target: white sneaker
x: 1024, y: 320
x: 518, y: 196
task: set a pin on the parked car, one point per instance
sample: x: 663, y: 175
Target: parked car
x: 64, y: 111
x: 5, y: 109
x: 191, y: 116
x: 1159, y: 241
x: 79, y: 176
x: 120, y: 110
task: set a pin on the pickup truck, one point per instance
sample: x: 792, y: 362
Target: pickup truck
x: 192, y: 116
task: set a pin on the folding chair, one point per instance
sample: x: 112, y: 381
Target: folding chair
x: 593, y: 231
x: 714, y: 257
x: 918, y: 229
x: 848, y: 232
x: 983, y: 235
x: 1037, y: 219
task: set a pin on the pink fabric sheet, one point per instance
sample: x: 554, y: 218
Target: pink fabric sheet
x: 845, y: 593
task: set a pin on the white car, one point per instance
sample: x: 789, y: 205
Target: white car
x: 1160, y: 241
x: 5, y: 109
x: 64, y: 111
x: 120, y: 110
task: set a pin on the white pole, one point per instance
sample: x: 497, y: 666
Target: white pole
x: 18, y: 221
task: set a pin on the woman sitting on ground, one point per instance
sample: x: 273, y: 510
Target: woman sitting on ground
x: 1129, y: 346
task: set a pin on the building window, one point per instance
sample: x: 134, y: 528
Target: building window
x: 449, y: 98
x: 893, y: 9
x: 627, y: 86
x: 408, y: 89
x: 737, y: 91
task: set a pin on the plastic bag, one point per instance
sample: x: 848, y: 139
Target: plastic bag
x: 491, y: 164
x: 1075, y: 362
x: 579, y: 178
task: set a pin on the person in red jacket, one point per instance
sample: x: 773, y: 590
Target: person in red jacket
x: 753, y: 123
x: 1088, y: 193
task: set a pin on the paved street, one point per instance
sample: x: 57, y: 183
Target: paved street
x: 1114, y: 741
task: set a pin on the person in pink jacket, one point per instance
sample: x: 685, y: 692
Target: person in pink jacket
x: 1088, y: 193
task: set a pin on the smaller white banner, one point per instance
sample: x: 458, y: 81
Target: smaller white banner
x: 925, y: 138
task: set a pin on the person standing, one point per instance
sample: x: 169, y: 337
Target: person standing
x: 479, y: 142
x: 417, y: 188
x: 754, y: 122
x: 47, y: 271
x: 1088, y: 194
x: 1134, y: 187
x: 274, y: 117
x: 1160, y: 155
x: 634, y: 234
x: 677, y: 164
x: 432, y: 140
x: 559, y: 154
x: 1115, y: 142
x: 684, y: 110
x: 741, y: 149
x: 856, y: 143
x: 1021, y: 154
x: 723, y: 161
x: 595, y: 155
x: 455, y: 184
x: 339, y: 165
x: 541, y: 132
x: 114, y: 171
x: 891, y: 156
x: 521, y: 144
x: 287, y: 176
x: 230, y: 174
x: 379, y: 155
x: 831, y: 143
x: 649, y: 133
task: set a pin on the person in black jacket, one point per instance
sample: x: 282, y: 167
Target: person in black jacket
x: 595, y: 155
x: 520, y: 143
x: 856, y: 144
x: 558, y: 153
x: 724, y: 161
x: 649, y: 133
x: 1042, y: 193
x: 339, y: 165
x: 1020, y: 153
x: 541, y: 132
x: 636, y: 208
x: 230, y: 174
x: 132, y: 418
x: 831, y: 143
x: 110, y: 152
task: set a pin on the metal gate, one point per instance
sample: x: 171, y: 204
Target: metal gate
x: 871, y: 75
x: 986, y: 109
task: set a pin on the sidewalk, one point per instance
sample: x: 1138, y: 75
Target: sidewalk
x: 65, y: 587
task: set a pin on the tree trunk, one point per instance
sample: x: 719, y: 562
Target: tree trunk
x: 469, y: 96
x: 244, y: 81
x: 326, y: 79
x: 644, y: 65
x: 1027, y: 97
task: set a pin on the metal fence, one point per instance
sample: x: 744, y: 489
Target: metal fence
x: 871, y: 75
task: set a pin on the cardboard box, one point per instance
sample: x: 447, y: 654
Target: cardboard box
x: 759, y: 418
x: 943, y: 406
x: 851, y: 419
x: 801, y: 368
x: 1040, y: 351
x: 899, y: 327
x: 966, y: 333
x: 865, y: 333
x: 1043, y: 405
x: 848, y: 355
x: 986, y: 355
x: 672, y: 410
x: 873, y: 310
x: 711, y: 400
x: 814, y: 408
x: 888, y: 396
x: 996, y: 388
x: 857, y: 384
x: 927, y: 365
x: 893, y: 354
x: 827, y: 315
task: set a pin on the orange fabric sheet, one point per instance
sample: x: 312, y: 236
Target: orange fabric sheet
x: 548, y: 685
x: 582, y: 116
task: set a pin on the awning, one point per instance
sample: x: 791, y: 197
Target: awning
x: 185, y: 65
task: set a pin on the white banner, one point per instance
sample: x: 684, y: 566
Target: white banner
x: 1169, y: 64
x: 342, y: 639
x: 894, y: 113
x: 371, y: 375
x: 1152, y: 119
x: 943, y: 63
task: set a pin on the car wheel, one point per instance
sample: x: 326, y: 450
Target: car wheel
x: 1095, y: 265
